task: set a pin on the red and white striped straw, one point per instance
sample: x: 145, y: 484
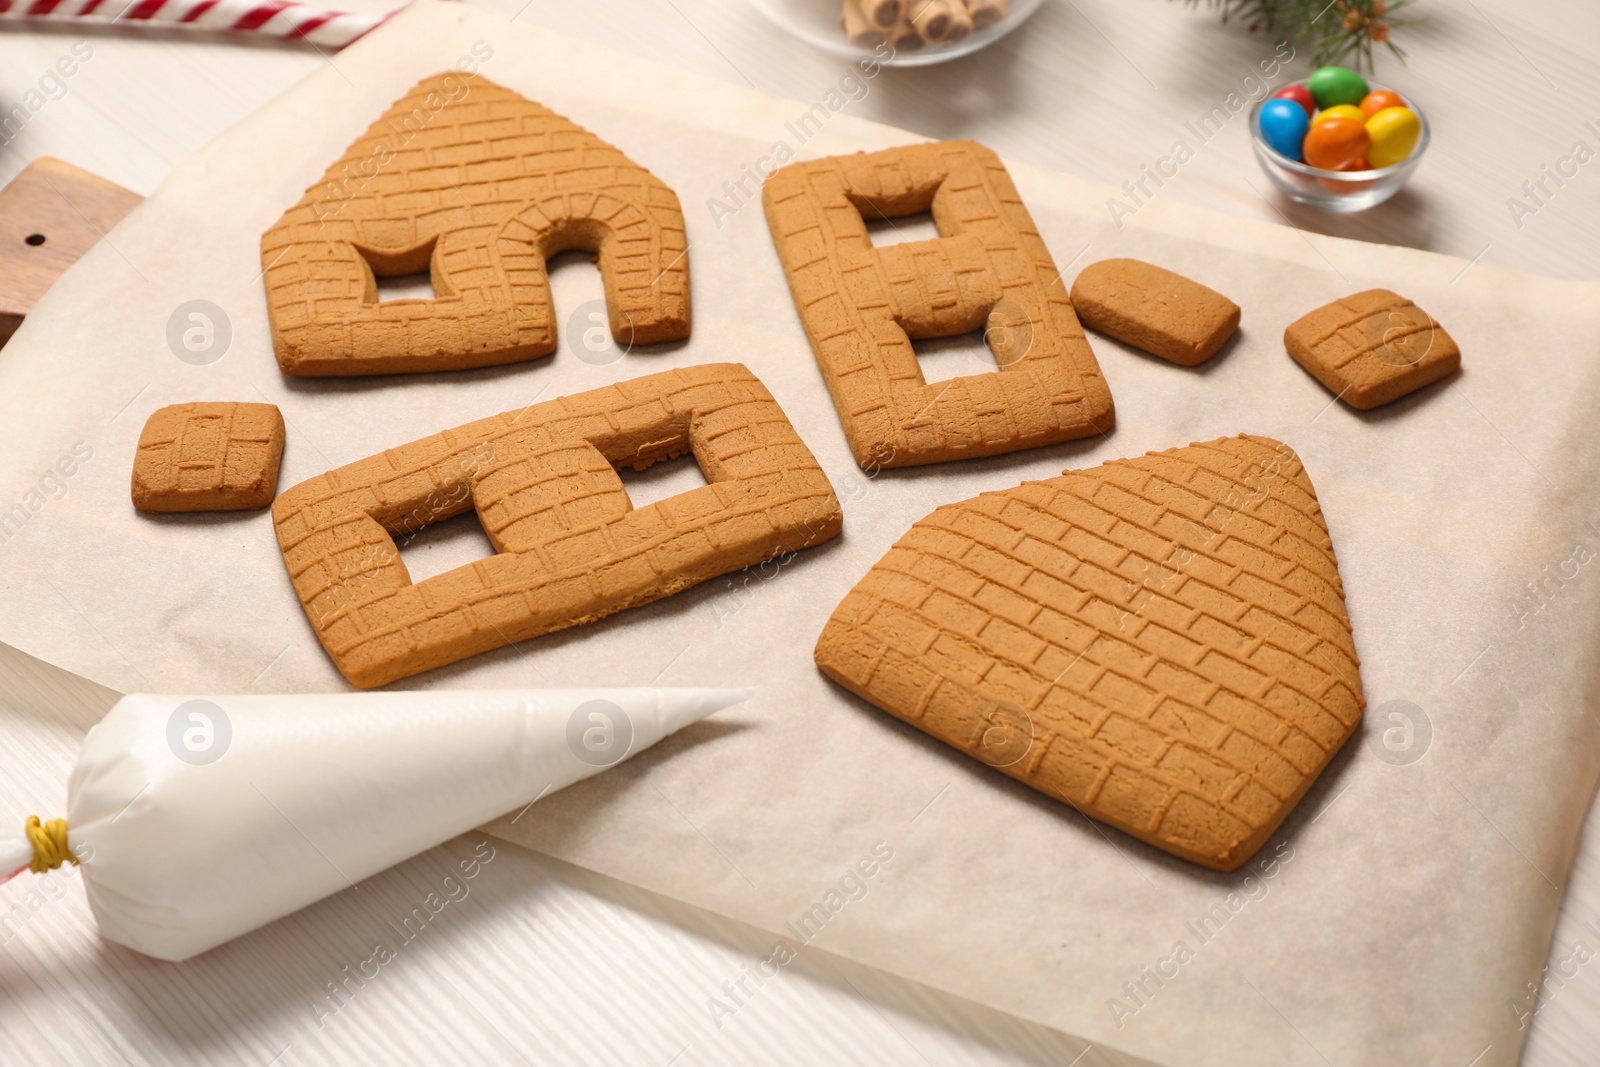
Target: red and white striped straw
x: 272, y: 18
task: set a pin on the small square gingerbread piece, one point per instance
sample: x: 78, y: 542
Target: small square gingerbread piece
x: 1155, y: 310
x: 208, y: 457
x: 1372, y: 347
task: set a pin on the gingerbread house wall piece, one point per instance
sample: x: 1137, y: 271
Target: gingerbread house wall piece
x: 570, y: 546
x: 1372, y: 348
x: 1160, y: 642
x: 479, y: 186
x: 208, y: 456
x: 862, y: 306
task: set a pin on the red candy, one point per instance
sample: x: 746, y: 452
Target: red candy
x: 1334, y: 144
x: 1300, y: 95
x: 1379, y: 99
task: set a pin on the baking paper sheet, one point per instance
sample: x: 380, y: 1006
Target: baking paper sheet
x: 1413, y: 892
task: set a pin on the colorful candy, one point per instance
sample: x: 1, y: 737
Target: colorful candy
x: 1393, y: 133
x: 1283, y: 125
x: 1336, y: 85
x: 1336, y: 143
x: 1379, y: 99
x: 1336, y: 122
x: 1340, y: 111
x: 1300, y: 95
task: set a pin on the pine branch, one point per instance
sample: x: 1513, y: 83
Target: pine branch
x: 1340, y: 31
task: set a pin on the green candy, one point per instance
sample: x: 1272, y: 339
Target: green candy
x: 1332, y: 86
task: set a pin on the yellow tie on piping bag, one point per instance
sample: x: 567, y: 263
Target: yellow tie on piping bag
x: 49, y: 841
x: 198, y: 819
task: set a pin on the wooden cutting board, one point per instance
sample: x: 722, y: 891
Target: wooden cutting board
x: 50, y: 214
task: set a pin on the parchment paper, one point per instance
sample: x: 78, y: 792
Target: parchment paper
x: 1412, y: 897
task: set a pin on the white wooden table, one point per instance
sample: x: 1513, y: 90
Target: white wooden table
x: 545, y: 963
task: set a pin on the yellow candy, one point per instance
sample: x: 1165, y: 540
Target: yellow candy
x: 1394, y: 132
x: 1340, y: 111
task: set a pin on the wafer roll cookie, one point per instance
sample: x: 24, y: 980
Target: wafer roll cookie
x: 904, y: 37
x: 960, y: 25
x: 931, y: 18
x: 862, y: 32
x: 884, y: 13
x: 986, y: 13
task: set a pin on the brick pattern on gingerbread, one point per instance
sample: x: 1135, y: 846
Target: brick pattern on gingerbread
x: 1372, y: 348
x: 1167, y: 635
x: 208, y: 457
x: 570, y: 546
x: 479, y: 186
x: 1154, y: 309
x: 862, y: 306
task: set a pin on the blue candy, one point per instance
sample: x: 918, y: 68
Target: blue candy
x: 1283, y: 125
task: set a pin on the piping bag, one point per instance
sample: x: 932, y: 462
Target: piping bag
x: 198, y: 819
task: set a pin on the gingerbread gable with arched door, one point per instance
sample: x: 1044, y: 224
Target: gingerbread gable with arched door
x: 478, y: 186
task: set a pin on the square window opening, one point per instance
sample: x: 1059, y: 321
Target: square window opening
x: 661, y: 480
x: 944, y: 358
x: 443, y: 546
x: 906, y: 228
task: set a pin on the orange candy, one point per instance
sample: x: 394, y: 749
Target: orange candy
x: 1334, y: 144
x: 1348, y: 187
x: 1379, y: 99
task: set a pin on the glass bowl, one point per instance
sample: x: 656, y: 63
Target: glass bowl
x: 816, y: 22
x: 1333, y: 190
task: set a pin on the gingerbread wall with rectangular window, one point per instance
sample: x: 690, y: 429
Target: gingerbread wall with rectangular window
x: 862, y: 306
x: 570, y: 547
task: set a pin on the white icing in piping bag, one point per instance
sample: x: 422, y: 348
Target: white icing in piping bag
x: 198, y: 819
